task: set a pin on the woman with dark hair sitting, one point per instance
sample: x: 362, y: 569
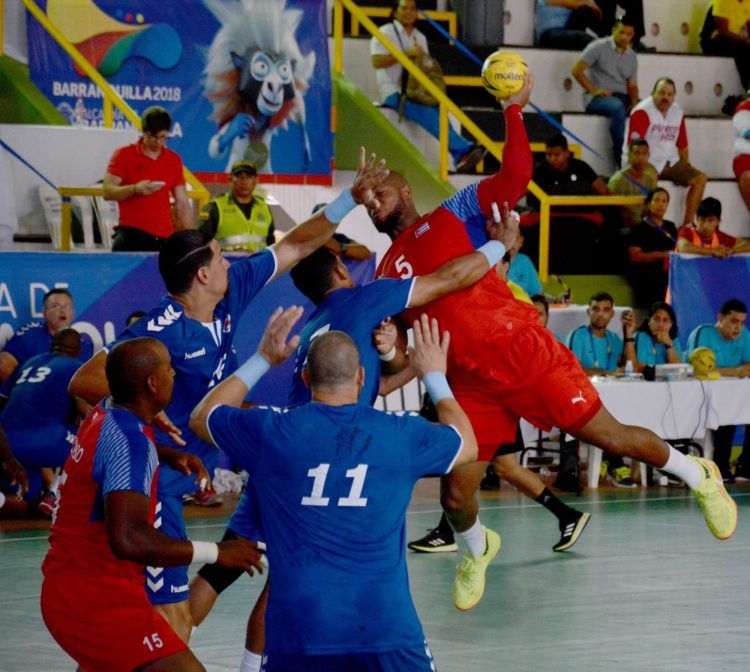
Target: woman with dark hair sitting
x: 656, y: 340
x: 648, y: 248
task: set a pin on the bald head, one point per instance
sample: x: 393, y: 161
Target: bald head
x: 66, y: 342
x: 332, y: 361
x: 135, y: 367
x: 396, y: 180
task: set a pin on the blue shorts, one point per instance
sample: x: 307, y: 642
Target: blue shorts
x: 167, y: 585
x: 414, y: 659
x: 244, y: 521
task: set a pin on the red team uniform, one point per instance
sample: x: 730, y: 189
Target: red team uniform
x: 95, y: 605
x: 502, y: 364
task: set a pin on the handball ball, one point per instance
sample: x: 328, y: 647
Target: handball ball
x: 703, y: 360
x: 503, y: 73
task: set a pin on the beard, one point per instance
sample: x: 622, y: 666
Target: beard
x: 392, y: 220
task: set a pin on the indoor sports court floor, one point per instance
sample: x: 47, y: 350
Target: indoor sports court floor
x: 646, y: 588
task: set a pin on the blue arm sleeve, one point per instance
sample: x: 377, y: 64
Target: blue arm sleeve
x: 248, y: 276
x: 238, y: 432
x: 382, y: 298
x: 124, y: 460
x: 433, y: 447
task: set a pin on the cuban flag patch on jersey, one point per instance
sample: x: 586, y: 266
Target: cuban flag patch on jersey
x: 227, y: 323
x: 422, y: 229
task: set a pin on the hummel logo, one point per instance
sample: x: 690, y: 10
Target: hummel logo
x: 197, y: 353
x: 164, y: 320
x: 577, y: 400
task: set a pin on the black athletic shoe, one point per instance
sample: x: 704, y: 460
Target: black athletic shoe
x: 490, y: 482
x: 435, y: 541
x: 570, y: 530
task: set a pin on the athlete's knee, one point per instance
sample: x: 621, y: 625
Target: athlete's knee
x: 505, y: 468
x: 454, y: 499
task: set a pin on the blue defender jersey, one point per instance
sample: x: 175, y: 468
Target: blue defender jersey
x: 356, y: 312
x: 594, y: 352
x: 728, y: 353
x: 651, y: 352
x: 201, y: 355
x: 38, y: 398
x: 333, y: 484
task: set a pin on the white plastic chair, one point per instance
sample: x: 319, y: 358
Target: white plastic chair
x: 108, y: 216
x: 52, y: 207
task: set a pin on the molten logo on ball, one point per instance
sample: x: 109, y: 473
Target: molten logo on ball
x: 503, y: 74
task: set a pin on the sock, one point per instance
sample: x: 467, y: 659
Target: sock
x: 474, y: 538
x: 250, y: 662
x: 685, y: 469
x: 55, y: 485
x: 555, y: 505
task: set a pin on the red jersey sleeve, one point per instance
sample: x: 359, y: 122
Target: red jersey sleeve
x: 682, y: 140
x: 725, y: 239
x: 639, y: 124
x: 116, y: 165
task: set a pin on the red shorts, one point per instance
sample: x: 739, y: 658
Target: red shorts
x: 741, y: 164
x: 106, y: 623
x: 547, y: 387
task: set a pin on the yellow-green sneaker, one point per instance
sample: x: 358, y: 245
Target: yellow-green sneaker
x: 719, y: 509
x: 468, y: 586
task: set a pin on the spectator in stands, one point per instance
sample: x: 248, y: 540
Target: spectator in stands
x: 608, y: 72
x: 726, y: 32
x: 637, y: 178
x: 39, y: 416
x: 13, y: 477
x: 648, y: 246
x: 522, y: 271
x: 140, y: 178
x: 35, y: 338
x: 392, y: 77
x: 240, y: 219
x: 661, y: 122
x: 730, y: 342
x: 562, y: 24
x: 705, y: 238
x: 562, y: 174
x: 502, y: 268
x: 539, y: 301
x: 634, y: 10
x: 739, y: 108
x: 599, y: 349
x: 656, y: 340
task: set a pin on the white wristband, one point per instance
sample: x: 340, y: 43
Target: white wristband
x: 388, y: 356
x: 340, y: 207
x: 205, y: 552
x: 253, y: 370
x: 494, y: 250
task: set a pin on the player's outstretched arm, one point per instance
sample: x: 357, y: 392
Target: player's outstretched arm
x: 464, y: 271
x: 131, y: 537
x: 274, y: 348
x: 429, y: 359
x: 307, y: 237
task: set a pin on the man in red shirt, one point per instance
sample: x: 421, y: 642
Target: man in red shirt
x: 94, y: 601
x: 502, y: 364
x: 140, y: 178
x: 705, y: 238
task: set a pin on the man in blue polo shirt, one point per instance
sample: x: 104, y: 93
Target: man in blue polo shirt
x: 35, y: 338
x: 598, y: 349
x: 730, y: 342
x: 334, y: 478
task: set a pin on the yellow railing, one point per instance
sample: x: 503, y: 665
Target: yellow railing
x: 112, y: 99
x: 67, y: 211
x: 385, y: 12
x: 448, y: 106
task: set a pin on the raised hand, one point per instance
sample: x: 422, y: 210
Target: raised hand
x: 274, y: 346
x: 384, y: 336
x: 430, y: 351
x: 503, y: 227
x: 523, y: 96
x: 370, y: 175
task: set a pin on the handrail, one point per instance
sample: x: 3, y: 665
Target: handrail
x: 66, y: 215
x: 545, y: 203
x: 385, y: 12
x: 111, y: 97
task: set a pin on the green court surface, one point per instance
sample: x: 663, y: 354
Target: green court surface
x: 646, y: 588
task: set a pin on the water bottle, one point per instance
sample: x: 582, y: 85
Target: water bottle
x: 629, y: 369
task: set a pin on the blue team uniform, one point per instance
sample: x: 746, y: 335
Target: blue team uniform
x: 356, y: 312
x: 325, y: 475
x: 651, y: 352
x: 202, y: 356
x: 33, y: 339
x: 728, y: 353
x: 594, y: 352
x: 39, y: 417
x: 523, y: 273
